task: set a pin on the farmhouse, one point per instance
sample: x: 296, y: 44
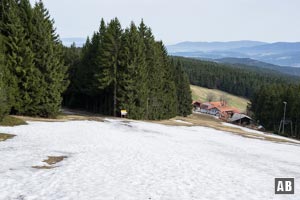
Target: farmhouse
x: 218, y: 108
x: 221, y: 110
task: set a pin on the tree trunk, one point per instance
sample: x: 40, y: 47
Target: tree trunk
x: 115, y: 98
x: 115, y: 90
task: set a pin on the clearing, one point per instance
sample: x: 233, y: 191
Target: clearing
x: 200, y: 93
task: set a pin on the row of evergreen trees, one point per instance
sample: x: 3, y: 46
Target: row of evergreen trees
x: 33, y: 75
x: 267, y: 107
x: 126, y: 69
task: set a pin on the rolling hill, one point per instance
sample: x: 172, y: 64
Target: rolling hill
x: 255, y: 63
x: 211, y: 46
x: 279, y: 53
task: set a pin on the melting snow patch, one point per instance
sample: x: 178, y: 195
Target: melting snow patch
x: 141, y: 161
x: 260, y: 132
x: 181, y: 121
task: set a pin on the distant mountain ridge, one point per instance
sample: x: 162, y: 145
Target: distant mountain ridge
x: 255, y: 63
x: 211, y: 46
x: 279, y: 53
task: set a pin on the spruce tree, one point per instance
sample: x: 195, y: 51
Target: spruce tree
x: 183, y: 92
x: 110, y: 62
x: 20, y: 61
x: 154, y: 74
x: 49, y: 61
x: 72, y: 58
x: 132, y: 89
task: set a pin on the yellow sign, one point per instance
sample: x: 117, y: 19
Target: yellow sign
x: 123, y: 112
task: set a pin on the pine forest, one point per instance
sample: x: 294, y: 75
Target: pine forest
x: 117, y: 69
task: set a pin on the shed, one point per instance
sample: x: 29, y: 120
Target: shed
x: 227, y: 112
x: 238, y: 118
x: 196, y: 105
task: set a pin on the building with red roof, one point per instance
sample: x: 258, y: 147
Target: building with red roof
x: 218, y: 108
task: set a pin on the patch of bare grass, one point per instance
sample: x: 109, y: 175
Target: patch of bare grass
x: 52, y: 160
x: 43, y: 167
x: 212, y: 122
x: 192, y: 120
x: 12, y: 121
x: 70, y: 115
x: 4, y: 136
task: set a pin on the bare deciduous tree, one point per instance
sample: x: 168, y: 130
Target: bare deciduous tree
x: 210, y: 97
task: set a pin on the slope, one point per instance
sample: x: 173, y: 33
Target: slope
x: 137, y: 160
x: 240, y: 80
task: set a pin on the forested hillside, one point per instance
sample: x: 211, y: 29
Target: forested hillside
x: 238, y: 80
x: 249, y: 63
x: 33, y: 73
x: 126, y: 69
x: 267, y: 106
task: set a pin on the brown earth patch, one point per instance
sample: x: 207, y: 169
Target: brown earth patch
x: 43, y: 167
x: 4, y: 136
x: 52, y: 160
x: 67, y: 115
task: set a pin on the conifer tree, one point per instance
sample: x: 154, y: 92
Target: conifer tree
x: 168, y: 88
x: 49, y: 61
x: 183, y: 91
x: 20, y: 61
x: 72, y: 58
x: 132, y: 93
x: 154, y: 74
x: 110, y: 61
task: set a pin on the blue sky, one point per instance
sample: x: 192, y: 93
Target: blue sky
x: 175, y: 21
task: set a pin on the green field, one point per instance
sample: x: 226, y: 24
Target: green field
x: 200, y: 93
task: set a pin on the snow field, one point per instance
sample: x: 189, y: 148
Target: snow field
x: 138, y: 160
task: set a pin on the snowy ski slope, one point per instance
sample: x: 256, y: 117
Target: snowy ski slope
x: 138, y: 160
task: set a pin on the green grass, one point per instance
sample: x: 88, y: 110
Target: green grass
x: 200, y: 93
x: 12, y: 121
